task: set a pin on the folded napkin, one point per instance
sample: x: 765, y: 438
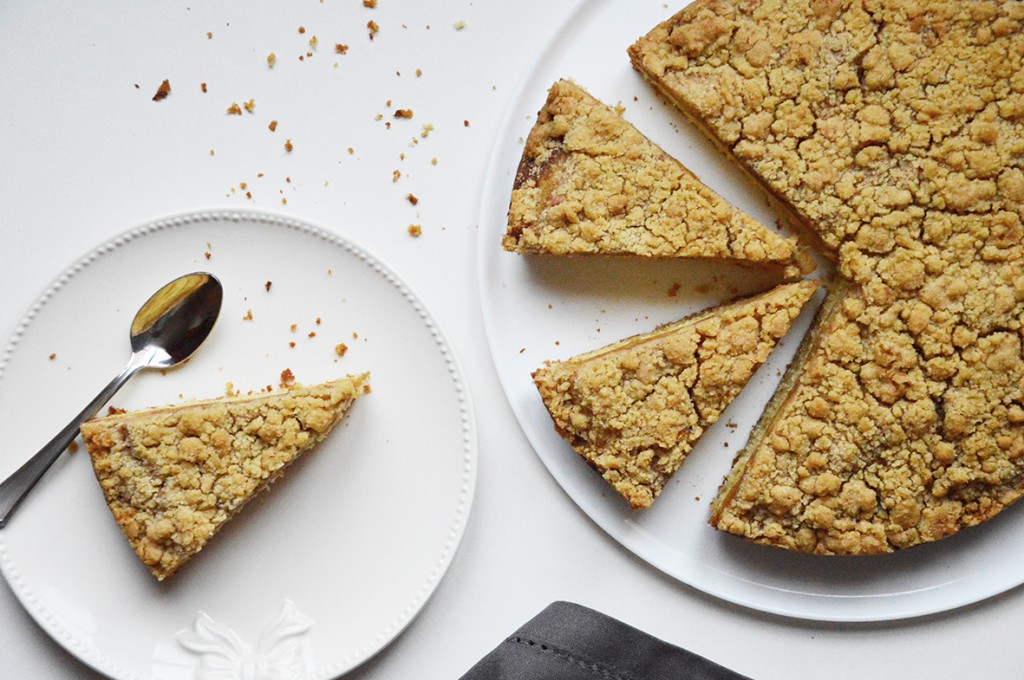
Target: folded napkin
x: 569, y: 642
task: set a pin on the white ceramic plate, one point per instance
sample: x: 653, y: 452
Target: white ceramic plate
x: 539, y: 308
x: 331, y: 564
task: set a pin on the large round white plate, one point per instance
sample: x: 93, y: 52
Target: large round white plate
x: 327, y: 567
x: 539, y: 308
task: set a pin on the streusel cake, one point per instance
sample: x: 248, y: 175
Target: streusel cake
x: 173, y: 476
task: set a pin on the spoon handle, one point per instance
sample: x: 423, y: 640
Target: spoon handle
x: 16, y: 487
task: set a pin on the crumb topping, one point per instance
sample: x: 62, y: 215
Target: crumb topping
x: 895, y: 131
x: 634, y: 409
x: 589, y: 182
x: 173, y: 476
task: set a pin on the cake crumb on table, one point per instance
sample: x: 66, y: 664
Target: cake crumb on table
x: 415, y: 230
x: 234, y: 109
x: 162, y: 91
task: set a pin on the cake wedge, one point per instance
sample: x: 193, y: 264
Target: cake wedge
x: 173, y: 476
x: 591, y: 183
x: 634, y: 409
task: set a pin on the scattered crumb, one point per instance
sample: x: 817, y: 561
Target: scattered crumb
x: 248, y: 316
x: 459, y: 25
x: 271, y: 60
x: 293, y: 327
x: 412, y: 199
x: 370, y: 3
x: 403, y: 113
x: 419, y: 73
x: 162, y: 91
x: 313, y: 42
x: 287, y: 378
x: 202, y: 86
x: 465, y: 123
x: 340, y: 349
x: 340, y: 48
x: 73, y: 446
x: 207, y: 254
x: 302, y: 29
x: 288, y: 146
x: 284, y: 201
x: 209, y: 35
x: 235, y: 109
x: 267, y: 285
x: 374, y: 28
x: 427, y: 129
x: 312, y: 334
x: 395, y: 174
x: 415, y: 230
x: 211, y: 152
x: 318, y: 321
x: 250, y: 105
x: 291, y: 344
x: 273, y: 126
x: 53, y: 356
x: 433, y: 161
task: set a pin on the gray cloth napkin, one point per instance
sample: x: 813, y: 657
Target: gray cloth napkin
x: 569, y: 642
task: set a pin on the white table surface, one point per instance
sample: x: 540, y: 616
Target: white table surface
x: 84, y: 155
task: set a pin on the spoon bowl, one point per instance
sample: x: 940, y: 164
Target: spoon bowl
x: 166, y: 330
x: 177, y: 319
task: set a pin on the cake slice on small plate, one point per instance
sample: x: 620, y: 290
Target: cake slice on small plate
x: 634, y: 409
x: 590, y: 183
x: 173, y: 476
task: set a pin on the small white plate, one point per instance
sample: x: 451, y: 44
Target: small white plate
x: 538, y: 308
x: 333, y: 562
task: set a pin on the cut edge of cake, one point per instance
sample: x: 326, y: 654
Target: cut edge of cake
x: 837, y: 292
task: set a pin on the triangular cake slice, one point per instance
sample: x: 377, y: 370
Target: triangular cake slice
x: 634, y: 409
x: 591, y: 183
x: 173, y: 476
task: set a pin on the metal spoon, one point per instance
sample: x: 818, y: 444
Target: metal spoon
x: 166, y: 331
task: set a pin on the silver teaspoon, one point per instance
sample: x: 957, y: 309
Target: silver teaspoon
x: 166, y: 331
